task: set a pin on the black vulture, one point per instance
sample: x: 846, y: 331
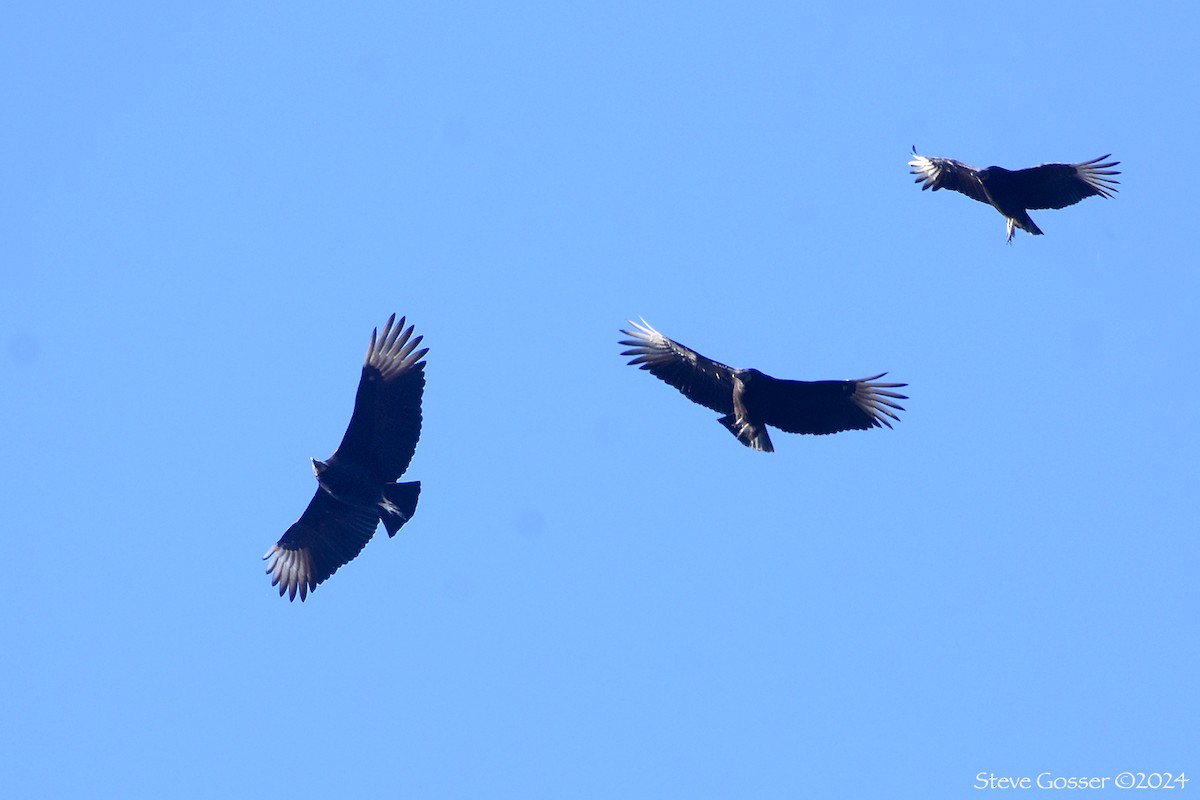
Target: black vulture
x: 752, y: 400
x: 1013, y: 193
x: 357, y: 486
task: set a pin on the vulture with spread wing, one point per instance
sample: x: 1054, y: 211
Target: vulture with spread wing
x: 751, y: 400
x: 357, y: 486
x: 1014, y: 193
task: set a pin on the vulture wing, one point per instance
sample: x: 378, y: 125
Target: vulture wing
x: 1062, y: 185
x: 700, y: 379
x: 328, y: 534
x: 827, y: 406
x: 946, y: 173
x: 386, y: 422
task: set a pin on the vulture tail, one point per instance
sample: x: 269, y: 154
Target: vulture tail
x: 399, y: 506
x: 755, y: 438
x: 1025, y: 223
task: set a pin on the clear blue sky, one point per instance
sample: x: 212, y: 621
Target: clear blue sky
x: 207, y: 207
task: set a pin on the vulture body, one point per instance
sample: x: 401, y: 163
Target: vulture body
x: 356, y: 487
x: 1014, y: 192
x: 751, y: 400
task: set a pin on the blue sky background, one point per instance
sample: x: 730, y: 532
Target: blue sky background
x: 205, y: 208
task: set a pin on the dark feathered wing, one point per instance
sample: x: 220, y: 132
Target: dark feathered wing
x: 386, y: 422
x: 827, y: 406
x: 328, y: 534
x: 700, y: 379
x: 1062, y: 185
x: 946, y: 173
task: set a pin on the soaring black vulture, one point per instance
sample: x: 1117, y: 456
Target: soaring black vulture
x: 1014, y: 193
x: 357, y: 486
x: 752, y: 400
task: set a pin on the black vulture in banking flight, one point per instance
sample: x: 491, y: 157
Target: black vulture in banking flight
x: 752, y: 400
x: 1014, y: 193
x: 357, y: 486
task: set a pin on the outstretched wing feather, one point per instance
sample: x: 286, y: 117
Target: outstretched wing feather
x: 700, y: 379
x: 328, y: 534
x: 820, y: 407
x: 1062, y: 185
x: 386, y: 423
x: 946, y: 173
